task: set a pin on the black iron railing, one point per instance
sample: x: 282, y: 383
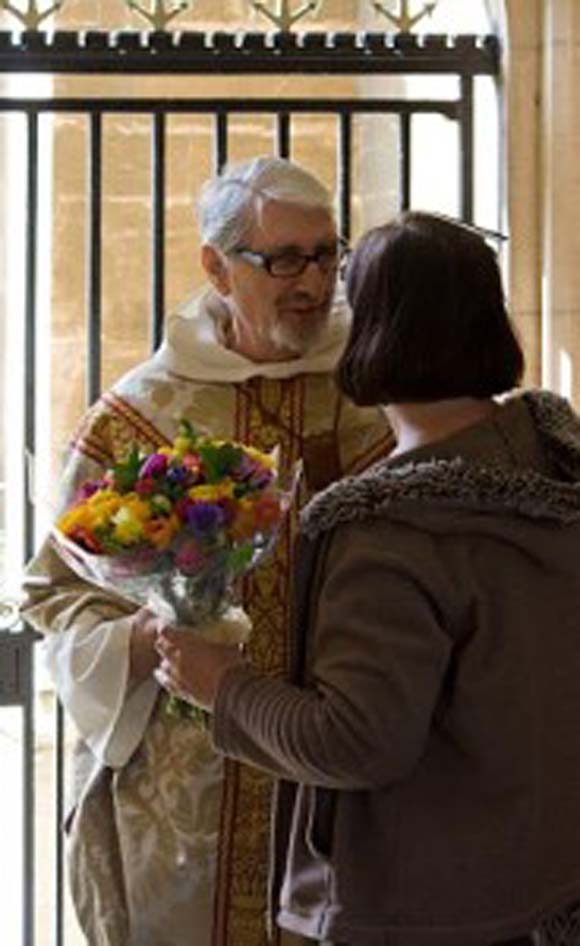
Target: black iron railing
x: 247, y: 53
x: 465, y: 57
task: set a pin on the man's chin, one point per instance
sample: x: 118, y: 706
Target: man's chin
x: 299, y: 341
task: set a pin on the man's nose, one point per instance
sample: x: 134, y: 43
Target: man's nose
x: 314, y: 276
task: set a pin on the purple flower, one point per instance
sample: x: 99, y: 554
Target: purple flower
x: 87, y: 489
x: 204, y: 518
x: 178, y: 475
x: 229, y: 511
x: 260, y: 477
x: 244, y: 467
x: 252, y: 473
x: 155, y: 465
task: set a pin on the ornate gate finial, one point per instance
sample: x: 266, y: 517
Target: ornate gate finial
x: 405, y: 21
x: 31, y: 18
x: 285, y: 18
x: 159, y: 15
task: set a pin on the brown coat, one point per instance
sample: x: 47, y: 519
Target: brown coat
x: 429, y: 745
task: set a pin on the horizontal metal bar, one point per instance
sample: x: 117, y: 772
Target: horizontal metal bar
x: 447, y: 107
x: 249, y: 53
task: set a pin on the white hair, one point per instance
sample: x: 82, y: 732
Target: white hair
x: 230, y: 203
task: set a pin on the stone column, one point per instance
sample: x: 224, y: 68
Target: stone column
x: 560, y: 190
x: 521, y: 28
x: 542, y: 84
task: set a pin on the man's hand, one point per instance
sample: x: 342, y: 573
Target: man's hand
x: 143, y: 658
x: 191, y: 667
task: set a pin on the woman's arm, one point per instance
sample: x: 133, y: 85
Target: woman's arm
x: 379, y: 655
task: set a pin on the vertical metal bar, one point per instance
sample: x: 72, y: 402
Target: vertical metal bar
x: 344, y: 173
x: 28, y: 880
x: 28, y: 924
x: 283, y: 134
x: 405, y: 161
x: 158, y: 261
x: 30, y: 320
x: 93, y: 385
x: 59, y: 819
x: 466, y: 146
x: 220, y: 141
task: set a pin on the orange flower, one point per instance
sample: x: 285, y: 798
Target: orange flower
x: 161, y: 531
x: 243, y: 526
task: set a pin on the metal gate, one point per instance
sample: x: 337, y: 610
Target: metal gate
x: 195, y: 53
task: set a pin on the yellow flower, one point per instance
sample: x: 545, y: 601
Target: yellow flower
x: 212, y: 492
x: 93, y: 513
x: 139, y: 508
x: 128, y: 528
x: 181, y: 446
x: 79, y: 516
x: 103, y: 497
x: 129, y: 519
x: 266, y: 459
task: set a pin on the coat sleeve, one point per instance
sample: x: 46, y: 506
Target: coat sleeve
x: 380, y: 650
x: 86, y: 649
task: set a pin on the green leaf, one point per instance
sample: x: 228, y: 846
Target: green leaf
x: 126, y: 473
x: 218, y: 461
x: 240, y: 557
x: 186, y: 429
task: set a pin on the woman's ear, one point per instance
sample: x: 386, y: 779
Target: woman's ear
x: 216, y: 268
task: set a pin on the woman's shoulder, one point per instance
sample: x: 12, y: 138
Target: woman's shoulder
x: 365, y: 496
x: 466, y: 478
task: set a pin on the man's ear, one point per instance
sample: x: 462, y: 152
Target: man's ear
x: 216, y: 269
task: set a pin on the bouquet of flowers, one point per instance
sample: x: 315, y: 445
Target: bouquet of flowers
x: 174, y: 529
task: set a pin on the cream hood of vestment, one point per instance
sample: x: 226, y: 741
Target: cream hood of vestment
x: 194, y: 348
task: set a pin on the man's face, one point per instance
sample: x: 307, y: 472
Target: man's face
x: 278, y: 317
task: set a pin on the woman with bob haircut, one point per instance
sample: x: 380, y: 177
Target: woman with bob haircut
x: 429, y: 317
x: 427, y: 743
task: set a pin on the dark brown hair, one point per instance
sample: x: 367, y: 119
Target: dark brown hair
x: 429, y: 317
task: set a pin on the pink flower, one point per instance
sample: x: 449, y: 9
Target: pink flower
x: 189, y: 559
x: 191, y: 462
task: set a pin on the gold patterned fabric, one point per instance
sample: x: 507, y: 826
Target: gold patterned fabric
x: 168, y: 842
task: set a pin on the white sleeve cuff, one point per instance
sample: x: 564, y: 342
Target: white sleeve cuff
x: 90, y: 669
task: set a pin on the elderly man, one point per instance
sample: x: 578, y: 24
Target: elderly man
x: 168, y: 842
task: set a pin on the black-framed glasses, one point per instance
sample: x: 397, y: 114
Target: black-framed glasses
x: 292, y: 263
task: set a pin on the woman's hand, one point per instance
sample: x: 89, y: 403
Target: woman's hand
x: 192, y: 668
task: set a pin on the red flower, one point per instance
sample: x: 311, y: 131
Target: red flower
x: 86, y: 539
x: 145, y: 486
